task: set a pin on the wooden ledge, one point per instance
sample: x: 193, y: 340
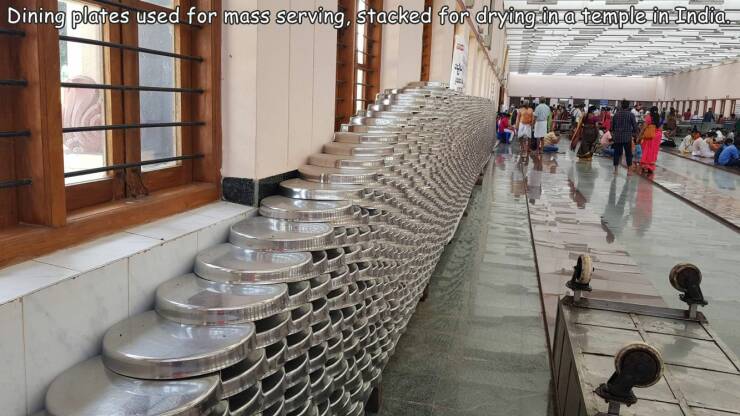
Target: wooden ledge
x: 25, y: 242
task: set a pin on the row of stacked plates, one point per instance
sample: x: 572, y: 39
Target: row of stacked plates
x: 300, y: 311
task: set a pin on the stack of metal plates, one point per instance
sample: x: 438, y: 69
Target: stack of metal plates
x: 299, y: 313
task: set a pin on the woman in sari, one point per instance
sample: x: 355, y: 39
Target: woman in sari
x: 588, y: 134
x: 650, y: 138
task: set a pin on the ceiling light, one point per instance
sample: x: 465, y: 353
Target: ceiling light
x: 706, y: 2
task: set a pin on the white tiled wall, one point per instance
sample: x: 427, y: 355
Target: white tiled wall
x: 64, y: 324
x: 12, y: 368
x: 278, y: 90
x: 55, y: 310
x: 152, y: 267
x: 401, y: 49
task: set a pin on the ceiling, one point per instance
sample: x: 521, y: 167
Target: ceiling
x: 635, y: 50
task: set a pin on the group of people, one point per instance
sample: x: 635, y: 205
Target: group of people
x: 716, y: 144
x: 532, y: 124
x: 630, y: 131
x: 709, y: 117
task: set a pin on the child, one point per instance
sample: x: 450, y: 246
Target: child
x: 504, y: 133
x: 637, y: 152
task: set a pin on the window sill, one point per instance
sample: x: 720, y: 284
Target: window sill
x: 24, y: 242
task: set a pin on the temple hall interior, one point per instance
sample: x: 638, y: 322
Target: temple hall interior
x: 369, y: 207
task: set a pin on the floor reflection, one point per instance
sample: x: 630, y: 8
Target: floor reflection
x: 477, y: 346
x: 660, y: 230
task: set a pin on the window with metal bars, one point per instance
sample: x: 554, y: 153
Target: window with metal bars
x: 358, y: 61
x: 103, y: 114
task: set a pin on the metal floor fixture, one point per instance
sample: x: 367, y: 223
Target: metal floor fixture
x: 299, y: 313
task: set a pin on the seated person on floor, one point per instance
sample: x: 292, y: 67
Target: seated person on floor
x: 700, y: 148
x: 605, y: 142
x: 714, y: 142
x: 720, y: 134
x: 728, y: 154
x: 685, y: 146
x: 550, y: 142
x: 666, y: 141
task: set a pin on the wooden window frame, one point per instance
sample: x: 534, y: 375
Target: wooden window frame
x: 426, y: 45
x: 46, y: 215
x: 348, y: 66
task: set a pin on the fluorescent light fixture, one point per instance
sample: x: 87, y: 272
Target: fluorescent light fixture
x: 707, y: 2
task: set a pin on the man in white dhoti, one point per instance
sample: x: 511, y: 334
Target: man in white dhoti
x: 541, y: 114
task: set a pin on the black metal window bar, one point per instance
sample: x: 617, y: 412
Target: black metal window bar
x: 132, y: 165
x: 12, y: 32
x: 21, y: 133
x: 14, y: 183
x: 129, y: 87
x: 137, y: 9
x: 121, y: 166
x: 129, y: 48
x: 13, y: 82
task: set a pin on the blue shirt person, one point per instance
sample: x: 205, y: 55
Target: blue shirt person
x: 729, y: 156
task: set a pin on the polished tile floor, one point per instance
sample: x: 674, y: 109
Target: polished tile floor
x: 660, y: 230
x: 477, y: 346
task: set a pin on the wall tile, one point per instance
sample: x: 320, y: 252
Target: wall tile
x: 222, y: 210
x: 440, y: 64
x: 219, y: 233
x: 324, y: 80
x: 25, y: 278
x: 239, y: 94
x: 173, y: 227
x: 301, y: 88
x: 65, y: 323
x: 216, y: 234
x: 99, y: 252
x: 273, y: 71
x: 12, y: 363
x: 147, y: 270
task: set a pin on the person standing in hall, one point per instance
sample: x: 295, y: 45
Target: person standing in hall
x: 524, y: 126
x: 650, y: 138
x: 671, y: 123
x: 606, y: 119
x: 624, y: 128
x: 541, y: 116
